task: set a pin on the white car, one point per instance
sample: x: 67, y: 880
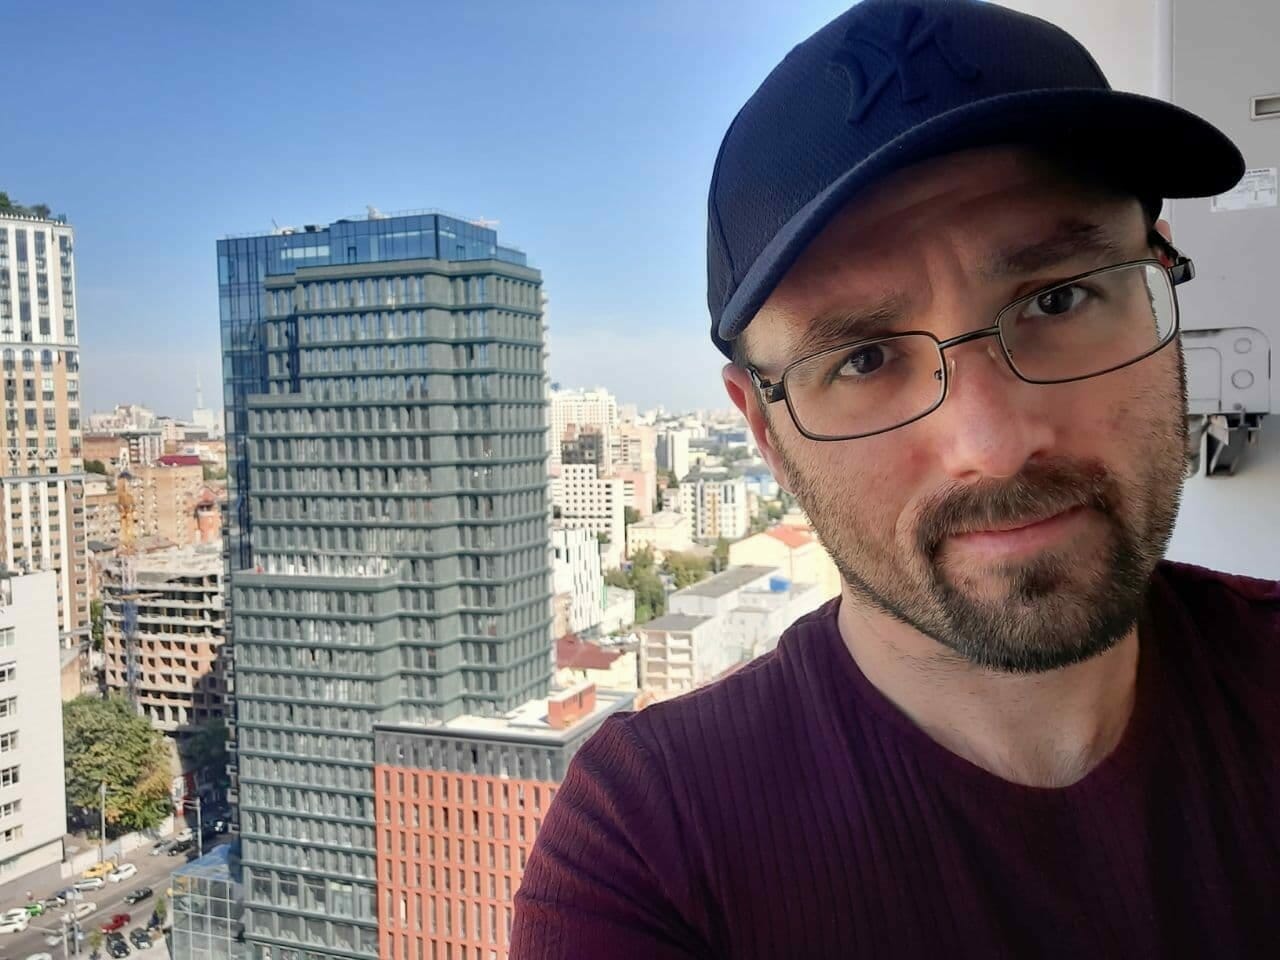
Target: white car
x: 40, y: 956
x: 183, y: 835
x: 14, y: 921
x: 90, y: 883
x: 83, y: 909
x: 122, y: 872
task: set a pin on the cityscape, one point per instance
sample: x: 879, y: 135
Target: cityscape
x: 325, y: 654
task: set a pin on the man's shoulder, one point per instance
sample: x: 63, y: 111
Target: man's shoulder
x: 1217, y: 595
x: 760, y: 703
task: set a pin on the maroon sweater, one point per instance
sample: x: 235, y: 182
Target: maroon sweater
x: 790, y: 810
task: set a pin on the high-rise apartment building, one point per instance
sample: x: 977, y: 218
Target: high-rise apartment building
x: 716, y: 503
x: 386, y: 413
x: 458, y: 809
x: 586, y: 500
x: 578, y: 576
x: 42, y: 523
x: 673, y: 452
x: 596, y: 409
x: 33, y: 806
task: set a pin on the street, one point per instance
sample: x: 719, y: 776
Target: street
x: 153, y: 872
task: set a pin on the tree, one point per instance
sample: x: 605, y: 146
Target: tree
x: 41, y: 210
x: 96, y: 940
x: 160, y: 910
x: 641, y: 577
x: 207, y: 750
x: 5, y: 202
x: 773, y: 510
x: 95, y: 466
x: 213, y: 473
x: 96, y: 623
x: 630, y: 515
x: 686, y: 569
x: 721, y: 554
x: 105, y: 741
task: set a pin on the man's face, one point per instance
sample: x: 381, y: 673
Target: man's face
x: 1017, y: 524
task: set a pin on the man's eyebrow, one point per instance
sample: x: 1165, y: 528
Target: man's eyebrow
x: 836, y: 327
x: 1070, y: 239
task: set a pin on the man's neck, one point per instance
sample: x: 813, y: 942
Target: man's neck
x: 1043, y: 730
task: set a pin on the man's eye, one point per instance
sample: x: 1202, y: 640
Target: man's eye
x: 1056, y: 302
x: 862, y: 361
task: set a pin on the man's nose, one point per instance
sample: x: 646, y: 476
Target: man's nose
x: 991, y: 422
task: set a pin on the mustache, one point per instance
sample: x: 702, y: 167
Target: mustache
x: 1041, y: 490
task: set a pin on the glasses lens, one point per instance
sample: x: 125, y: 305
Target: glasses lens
x: 865, y: 388
x: 1095, y: 323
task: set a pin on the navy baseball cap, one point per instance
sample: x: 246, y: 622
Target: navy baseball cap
x: 891, y: 83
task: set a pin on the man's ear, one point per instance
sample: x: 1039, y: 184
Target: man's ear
x: 742, y: 391
x: 1163, y: 228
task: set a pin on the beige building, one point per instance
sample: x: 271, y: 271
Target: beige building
x: 795, y: 551
x: 42, y: 524
x: 173, y: 504
x: 664, y: 532
x: 181, y: 669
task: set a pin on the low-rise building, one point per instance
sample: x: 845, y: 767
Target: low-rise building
x: 667, y: 531
x: 716, y: 503
x: 795, y: 550
x: 613, y: 667
x: 488, y: 779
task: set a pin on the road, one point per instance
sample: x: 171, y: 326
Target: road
x: 153, y: 872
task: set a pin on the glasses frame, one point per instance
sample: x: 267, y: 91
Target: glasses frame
x: 1179, y: 270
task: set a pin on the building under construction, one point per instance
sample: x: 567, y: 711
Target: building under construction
x: 178, y: 628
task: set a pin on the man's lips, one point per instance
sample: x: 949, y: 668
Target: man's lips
x: 1020, y: 536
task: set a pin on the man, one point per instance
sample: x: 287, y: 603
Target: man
x: 935, y: 260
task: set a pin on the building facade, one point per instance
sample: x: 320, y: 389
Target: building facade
x: 585, y: 500
x: 207, y: 907
x: 459, y: 807
x: 181, y: 673
x: 387, y: 481
x: 42, y: 523
x: 576, y: 572
x: 33, y: 806
x: 716, y: 505
x: 795, y: 550
x: 596, y: 410
x: 667, y: 531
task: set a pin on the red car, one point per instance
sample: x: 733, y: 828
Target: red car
x: 118, y: 922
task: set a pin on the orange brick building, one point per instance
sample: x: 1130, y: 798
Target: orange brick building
x: 458, y: 807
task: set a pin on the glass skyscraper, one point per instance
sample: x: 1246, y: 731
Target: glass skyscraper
x: 386, y: 427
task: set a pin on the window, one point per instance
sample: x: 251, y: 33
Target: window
x: 8, y: 741
x: 8, y: 706
x: 12, y: 833
x: 10, y: 808
x: 8, y: 636
x: 8, y: 671
x: 9, y: 776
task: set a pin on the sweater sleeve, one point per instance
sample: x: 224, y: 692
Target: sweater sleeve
x: 607, y: 875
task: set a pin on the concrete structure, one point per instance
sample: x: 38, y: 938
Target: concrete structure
x: 716, y: 625
x: 633, y: 458
x: 610, y: 668
x: 619, y: 610
x: 576, y: 572
x: 665, y: 532
x: 716, y: 504
x: 673, y: 452
x: 207, y: 906
x: 388, y: 527
x: 596, y: 408
x: 458, y: 809
x: 41, y: 466
x: 33, y: 806
x: 583, y: 499
x: 181, y: 664
x: 795, y: 551
x: 583, y: 445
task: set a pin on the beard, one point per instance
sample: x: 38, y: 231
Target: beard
x: 1029, y: 615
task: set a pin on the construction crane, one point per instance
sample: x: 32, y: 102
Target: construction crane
x: 126, y: 562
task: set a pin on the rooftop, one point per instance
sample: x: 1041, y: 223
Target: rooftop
x: 220, y: 863
x: 179, y: 460
x: 793, y: 537
x: 577, y: 654
x: 529, y: 722
x: 198, y: 559
x: 663, y: 518
x: 675, y: 621
x: 735, y: 578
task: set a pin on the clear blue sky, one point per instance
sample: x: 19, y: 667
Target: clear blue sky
x: 588, y: 129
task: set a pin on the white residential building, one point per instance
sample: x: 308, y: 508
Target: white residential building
x: 665, y: 532
x: 33, y: 807
x: 582, y: 499
x: 576, y: 571
x: 582, y: 408
x: 716, y: 504
x: 673, y: 452
x: 713, y: 626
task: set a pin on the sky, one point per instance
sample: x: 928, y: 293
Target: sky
x: 588, y: 130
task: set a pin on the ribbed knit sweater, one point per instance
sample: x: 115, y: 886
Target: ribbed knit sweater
x: 791, y: 810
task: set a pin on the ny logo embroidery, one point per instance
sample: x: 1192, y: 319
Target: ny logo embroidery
x: 911, y: 34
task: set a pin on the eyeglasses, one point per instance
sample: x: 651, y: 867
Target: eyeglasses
x: 1083, y: 327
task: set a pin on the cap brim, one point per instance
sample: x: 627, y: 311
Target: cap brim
x: 1152, y: 147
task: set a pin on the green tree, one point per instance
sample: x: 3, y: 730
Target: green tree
x: 96, y: 623
x: 95, y: 466
x: 773, y: 510
x: 95, y: 940
x: 213, y: 473
x: 642, y: 577
x: 630, y: 515
x: 721, y: 554
x: 207, y: 750
x: 160, y: 910
x: 105, y: 741
x: 5, y: 202
x: 686, y: 569
x: 41, y: 210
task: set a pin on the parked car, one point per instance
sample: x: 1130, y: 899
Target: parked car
x: 117, y: 947
x: 137, y: 896
x: 34, y: 908
x: 183, y: 834
x: 83, y: 909
x: 90, y: 883
x: 14, y: 921
x: 140, y: 938
x: 161, y: 846
x: 180, y: 846
x: 56, y: 900
x: 100, y: 869
x: 116, y: 922
x: 122, y: 872
x: 55, y: 939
